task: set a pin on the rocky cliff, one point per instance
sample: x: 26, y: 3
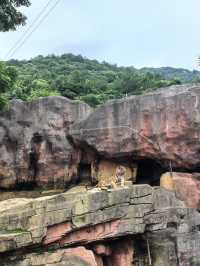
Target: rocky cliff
x: 56, y: 143
x: 34, y: 150
x: 136, y: 225
x: 163, y: 126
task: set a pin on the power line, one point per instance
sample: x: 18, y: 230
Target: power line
x: 28, y: 29
x: 34, y: 29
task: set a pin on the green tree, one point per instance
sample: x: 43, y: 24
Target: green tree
x: 90, y: 99
x: 76, y: 77
x: 10, y: 16
x: 8, y: 78
x: 41, y: 88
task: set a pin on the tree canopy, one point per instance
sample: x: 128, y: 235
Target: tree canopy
x: 10, y: 16
x: 8, y: 78
x: 76, y: 77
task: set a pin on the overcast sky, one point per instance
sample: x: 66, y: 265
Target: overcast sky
x: 127, y: 32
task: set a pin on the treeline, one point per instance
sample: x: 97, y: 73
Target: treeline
x: 74, y: 77
x: 184, y: 75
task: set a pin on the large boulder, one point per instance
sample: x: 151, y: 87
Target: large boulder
x: 162, y: 125
x: 34, y: 149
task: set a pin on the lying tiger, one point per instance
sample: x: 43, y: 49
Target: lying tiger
x: 113, y: 181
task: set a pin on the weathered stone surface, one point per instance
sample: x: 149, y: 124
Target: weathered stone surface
x: 85, y: 218
x: 186, y: 187
x: 123, y: 254
x: 52, y: 140
x: 79, y: 256
x: 102, y: 249
x: 33, y: 144
x: 163, y: 125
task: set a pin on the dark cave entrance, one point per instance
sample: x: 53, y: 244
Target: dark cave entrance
x: 133, y: 250
x: 33, y: 161
x: 149, y: 172
x: 84, y: 172
x: 33, y: 164
x: 141, y: 256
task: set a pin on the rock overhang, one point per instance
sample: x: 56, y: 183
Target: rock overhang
x: 162, y: 125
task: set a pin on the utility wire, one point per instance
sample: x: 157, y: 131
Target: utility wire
x: 34, y: 29
x: 28, y: 29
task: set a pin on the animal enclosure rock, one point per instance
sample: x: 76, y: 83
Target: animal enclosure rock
x: 185, y: 185
x: 34, y: 149
x: 126, y: 215
x: 162, y: 125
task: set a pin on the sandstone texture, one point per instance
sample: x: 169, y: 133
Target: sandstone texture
x: 34, y: 149
x: 98, y: 226
x: 185, y: 185
x: 163, y: 125
x: 54, y: 142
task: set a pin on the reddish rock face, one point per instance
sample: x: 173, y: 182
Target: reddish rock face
x: 90, y: 234
x: 163, y: 125
x: 118, y: 252
x: 102, y: 249
x: 122, y: 254
x: 81, y: 256
x: 187, y: 187
x: 34, y: 149
x: 56, y: 232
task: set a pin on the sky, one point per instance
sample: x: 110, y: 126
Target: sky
x: 140, y: 33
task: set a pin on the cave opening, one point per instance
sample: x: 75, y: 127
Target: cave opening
x: 140, y: 251
x: 30, y: 184
x: 84, y: 173
x: 149, y: 172
x: 105, y: 260
x: 33, y: 157
x: 33, y: 163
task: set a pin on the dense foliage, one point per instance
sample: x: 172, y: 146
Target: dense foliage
x: 76, y: 77
x: 10, y: 16
x: 184, y: 75
x: 12, y: 87
x: 8, y: 78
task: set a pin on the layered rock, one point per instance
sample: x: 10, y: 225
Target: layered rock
x: 33, y: 144
x: 54, y: 141
x: 79, y: 256
x: 95, y: 220
x: 163, y: 126
x: 185, y: 185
